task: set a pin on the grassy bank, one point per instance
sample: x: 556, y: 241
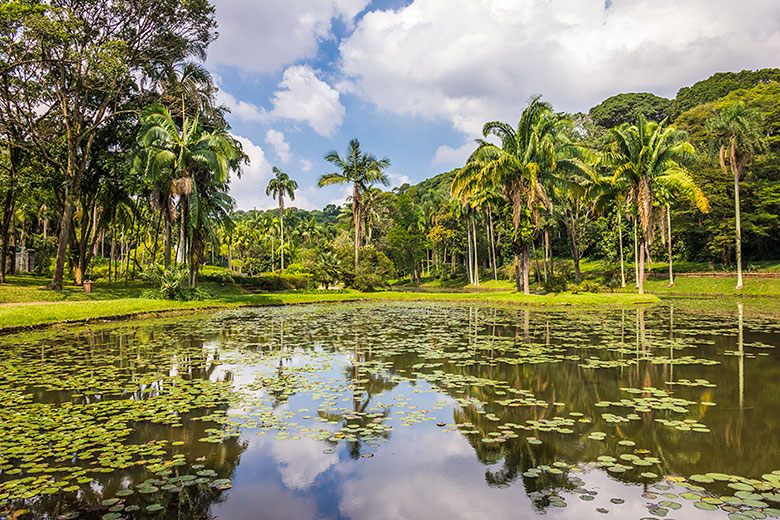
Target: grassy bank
x: 27, y: 315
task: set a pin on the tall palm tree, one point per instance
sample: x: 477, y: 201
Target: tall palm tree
x: 361, y: 170
x: 185, y: 155
x: 736, y: 137
x: 278, y: 186
x: 646, y: 157
x: 514, y: 166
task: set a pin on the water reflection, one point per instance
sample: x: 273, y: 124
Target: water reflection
x: 414, y: 410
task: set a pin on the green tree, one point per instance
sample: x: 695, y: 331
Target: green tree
x: 278, y: 186
x: 736, y: 136
x: 625, y: 108
x: 646, y: 157
x: 515, y: 167
x: 361, y: 170
x: 187, y: 154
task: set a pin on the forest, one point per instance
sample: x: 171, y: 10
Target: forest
x: 116, y: 165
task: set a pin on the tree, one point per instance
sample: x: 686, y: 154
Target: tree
x: 86, y: 58
x: 736, y: 136
x: 361, y: 170
x: 625, y: 108
x: 280, y: 184
x: 191, y: 158
x: 645, y: 157
x: 514, y: 166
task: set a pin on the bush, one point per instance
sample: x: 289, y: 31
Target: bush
x: 555, y: 284
x: 279, y: 282
x: 173, y: 284
x: 585, y: 287
x: 222, y: 277
x: 368, y: 282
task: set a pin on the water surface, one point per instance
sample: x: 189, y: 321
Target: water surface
x: 388, y: 410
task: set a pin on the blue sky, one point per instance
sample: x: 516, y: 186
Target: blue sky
x: 414, y: 80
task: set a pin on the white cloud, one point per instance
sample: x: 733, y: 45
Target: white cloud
x: 241, y: 109
x: 306, y: 165
x: 305, y: 98
x: 469, y: 61
x: 448, y: 156
x: 281, y: 147
x: 398, y: 179
x: 249, y: 190
x: 263, y: 37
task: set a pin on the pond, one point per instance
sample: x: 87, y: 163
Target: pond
x: 387, y: 410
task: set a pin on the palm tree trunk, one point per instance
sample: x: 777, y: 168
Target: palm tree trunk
x: 537, y: 275
x: 281, y: 227
x: 620, y: 241
x: 476, y: 260
x: 526, y: 269
x: 548, y: 247
x: 356, y: 218
x: 516, y: 250
x: 636, y: 256
x: 669, y: 243
x: 575, y: 250
x: 641, y: 279
x: 738, y: 228
x: 493, y: 247
x: 470, y: 257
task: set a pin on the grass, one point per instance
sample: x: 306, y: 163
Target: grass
x: 713, y: 286
x: 14, y: 316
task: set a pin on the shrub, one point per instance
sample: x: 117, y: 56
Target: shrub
x: 173, y: 284
x: 555, y: 284
x: 368, y: 282
x: 585, y: 287
x: 279, y: 282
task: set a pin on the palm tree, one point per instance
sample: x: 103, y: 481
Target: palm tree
x: 361, y: 170
x: 736, y: 137
x: 182, y: 156
x: 280, y: 184
x: 514, y: 166
x: 646, y: 157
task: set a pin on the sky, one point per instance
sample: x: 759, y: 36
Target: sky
x: 415, y: 80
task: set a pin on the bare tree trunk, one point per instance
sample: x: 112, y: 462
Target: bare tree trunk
x: 111, y: 259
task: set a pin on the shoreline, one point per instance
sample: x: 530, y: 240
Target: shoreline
x: 21, y: 317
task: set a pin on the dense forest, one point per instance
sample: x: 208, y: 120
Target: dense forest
x: 116, y: 164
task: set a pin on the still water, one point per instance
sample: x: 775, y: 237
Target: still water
x: 380, y: 411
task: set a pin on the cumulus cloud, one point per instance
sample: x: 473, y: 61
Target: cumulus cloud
x: 249, y: 190
x: 469, y: 61
x: 305, y: 98
x: 306, y: 165
x: 282, y: 148
x: 240, y: 109
x: 448, y: 156
x: 263, y: 37
x: 398, y: 179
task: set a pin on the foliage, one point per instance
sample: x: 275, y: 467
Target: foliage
x: 172, y: 283
x: 278, y: 282
x: 719, y: 85
x: 625, y: 108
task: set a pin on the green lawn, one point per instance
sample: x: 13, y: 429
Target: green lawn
x: 47, y: 313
